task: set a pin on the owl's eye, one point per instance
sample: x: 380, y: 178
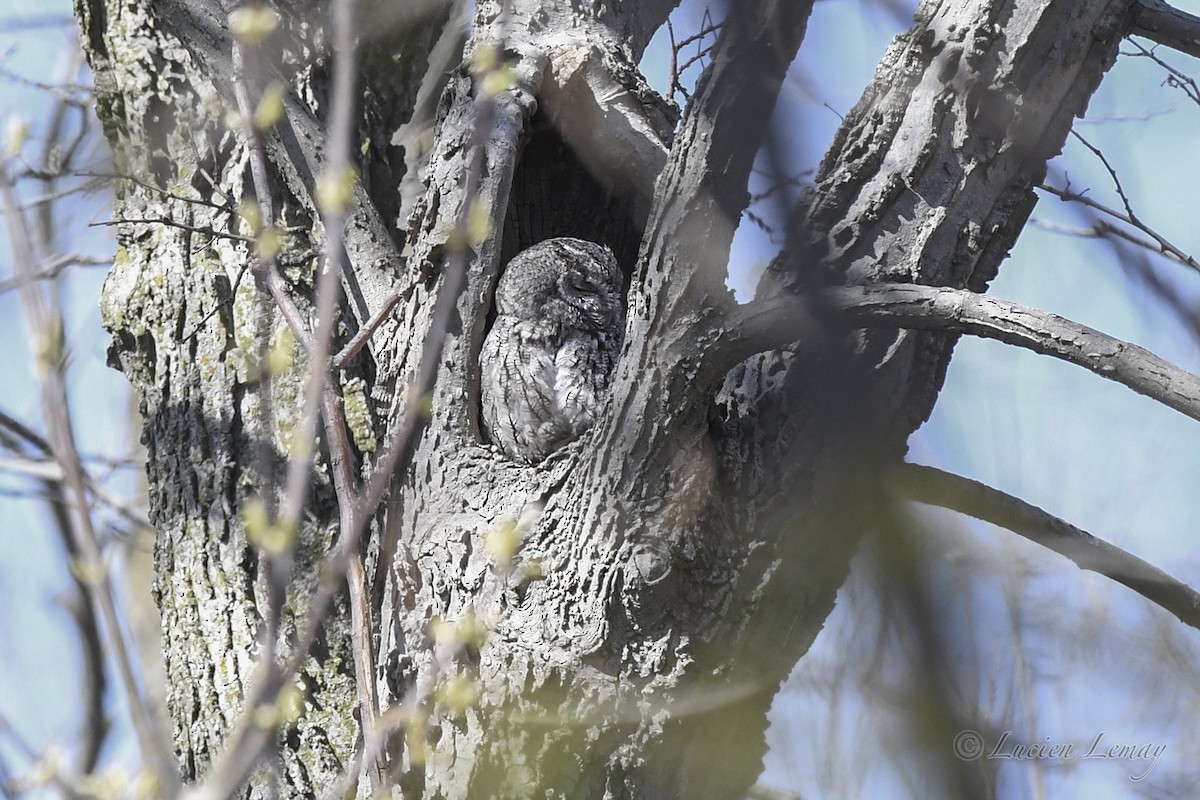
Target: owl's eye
x: 582, y: 284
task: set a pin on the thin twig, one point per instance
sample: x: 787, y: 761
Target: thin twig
x: 1068, y: 195
x: 360, y: 339
x: 398, y: 441
x: 150, y: 187
x: 67, y: 784
x: 341, y: 131
x: 1112, y: 173
x: 244, y: 746
x: 170, y: 223
x: 1102, y: 229
x: 95, y: 725
x: 12, y: 430
x: 62, y: 91
x: 1175, y: 78
x: 676, y: 70
x: 277, y: 566
x: 319, y: 395
x: 53, y: 269
x: 59, y: 194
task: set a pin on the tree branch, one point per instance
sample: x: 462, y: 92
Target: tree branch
x: 1167, y: 25
x: 95, y: 728
x: 680, y: 298
x: 935, y: 487
x: 1163, y: 245
x: 1176, y: 79
x: 776, y: 322
x: 364, y: 334
x: 320, y: 400
x: 958, y: 310
x: 1103, y: 229
x: 705, y: 186
x: 929, y: 177
x: 170, y: 223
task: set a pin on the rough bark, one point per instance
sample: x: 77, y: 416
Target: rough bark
x: 185, y: 319
x: 677, y: 560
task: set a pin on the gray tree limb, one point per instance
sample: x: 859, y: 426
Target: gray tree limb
x: 769, y: 323
x: 929, y: 180
x: 1163, y: 23
x: 960, y: 311
x: 936, y: 487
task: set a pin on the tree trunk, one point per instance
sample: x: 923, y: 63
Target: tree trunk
x: 676, y: 561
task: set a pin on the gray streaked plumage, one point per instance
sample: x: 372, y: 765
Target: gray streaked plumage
x: 546, y: 362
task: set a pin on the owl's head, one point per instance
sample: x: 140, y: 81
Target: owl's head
x: 571, y: 281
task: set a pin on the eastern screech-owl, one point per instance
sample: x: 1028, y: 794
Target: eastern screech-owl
x: 546, y: 362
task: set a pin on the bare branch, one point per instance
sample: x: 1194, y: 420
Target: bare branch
x: 1129, y: 216
x: 703, y: 189
x: 75, y: 93
x: 961, y: 311
x: 938, y: 488
x: 507, y: 118
x: 1102, y: 229
x: 58, y: 194
x: 319, y: 396
x: 170, y: 223
x: 148, y: 186
x: 360, y: 339
x: 1112, y: 172
x: 53, y: 268
x: 1167, y: 25
x: 95, y: 724
x: 768, y: 324
x: 13, y: 431
x: 676, y: 70
x: 298, y: 147
x: 1175, y: 78
x: 60, y: 778
x: 246, y: 745
x: 34, y: 468
x: 1164, y: 245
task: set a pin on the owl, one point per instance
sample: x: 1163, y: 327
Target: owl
x: 546, y: 362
